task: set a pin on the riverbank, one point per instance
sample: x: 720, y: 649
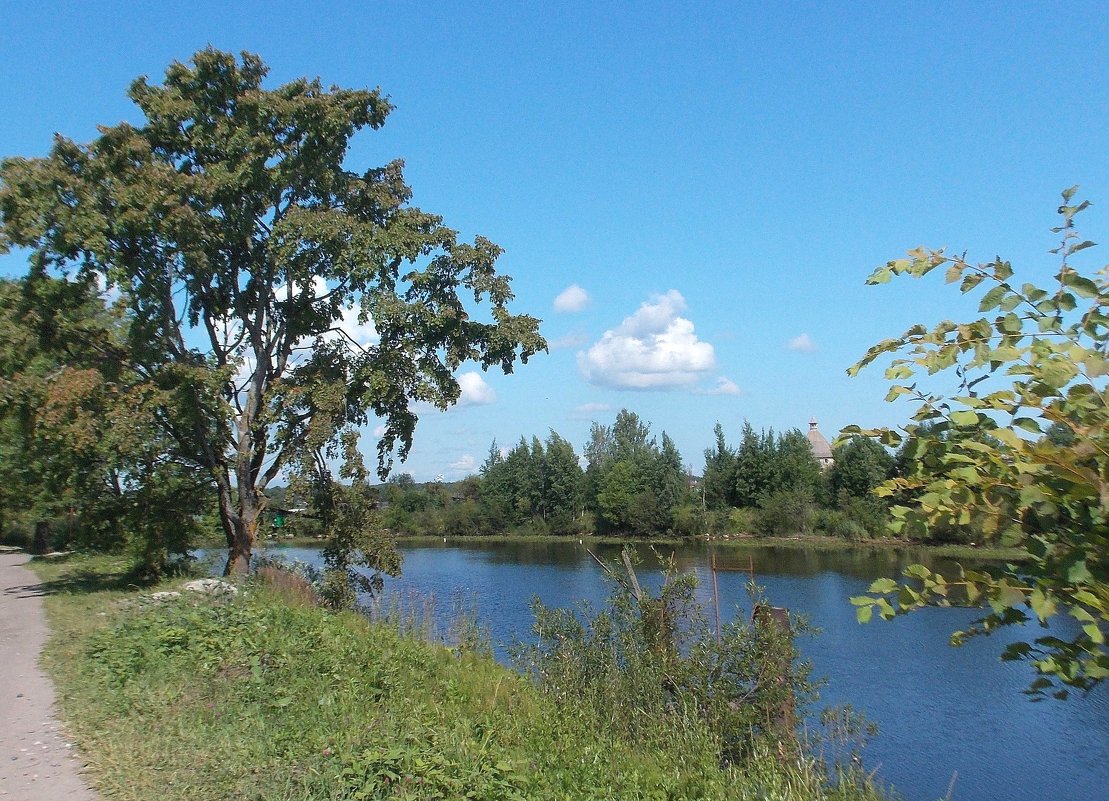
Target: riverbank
x: 993, y: 553
x: 253, y: 696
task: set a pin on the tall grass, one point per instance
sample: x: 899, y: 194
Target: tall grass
x: 253, y: 697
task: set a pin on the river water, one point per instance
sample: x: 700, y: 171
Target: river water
x: 943, y: 712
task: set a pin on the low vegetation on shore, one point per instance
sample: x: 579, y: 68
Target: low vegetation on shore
x: 264, y: 695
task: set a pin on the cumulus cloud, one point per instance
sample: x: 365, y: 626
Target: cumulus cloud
x: 572, y: 299
x: 723, y: 386
x: 655, y: 348
x: 348, y: 326
x: 475, y: 392
x: 363, y: 333
x: 802, y: 343
x: 466, y: 464
x: 586, y: 411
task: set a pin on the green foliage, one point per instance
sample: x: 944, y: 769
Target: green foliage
x: 632, y: 484
x: 238, y: 239
x: 652, y: 668
x: 533, y: 486
x: 742, y: 521
x: 787, y: 512
x: 861, y: 465
x: 720, y: 473
x: 979, y: 457
x: 350, y: 523
x: 81, y: 451
x: 765, y: 465
x: 755, y: 471
x: 248, y: 697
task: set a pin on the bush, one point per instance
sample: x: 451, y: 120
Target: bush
x: 689, y: 521
x: 870, y: 513
x: 743, y: 521
x: 654, y: 671
x: 836, y: 523
x: 786, y: 512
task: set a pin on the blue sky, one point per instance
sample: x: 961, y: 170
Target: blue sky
x: 716, y: 180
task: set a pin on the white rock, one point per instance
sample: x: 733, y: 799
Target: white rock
x: 211, y: 586
x: 165, y: 595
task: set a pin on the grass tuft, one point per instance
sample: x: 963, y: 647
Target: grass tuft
x: 253, y: 697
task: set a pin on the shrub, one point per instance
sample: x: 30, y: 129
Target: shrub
x: 652, y: 669
x: 786, y: 512
x: 742, y: 521
x: 837, y: 523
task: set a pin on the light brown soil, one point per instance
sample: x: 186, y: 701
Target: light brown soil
x: 37, y: 761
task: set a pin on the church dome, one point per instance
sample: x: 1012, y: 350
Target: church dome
x: 820, y: 447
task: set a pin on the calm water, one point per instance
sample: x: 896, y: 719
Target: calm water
x: 941, y: 710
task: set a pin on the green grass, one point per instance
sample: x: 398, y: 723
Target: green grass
x: 254, y: 697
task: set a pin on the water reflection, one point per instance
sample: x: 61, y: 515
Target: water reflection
x: 941, y: 710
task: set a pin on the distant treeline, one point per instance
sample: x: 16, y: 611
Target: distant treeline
x: 634, y: 484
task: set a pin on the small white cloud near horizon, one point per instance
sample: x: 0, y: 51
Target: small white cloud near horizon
x: 475, y: 392
x: 723, y: 386
x: 571, y: 300
x: 586, y: 410
x: 466, y: 464
x: 653, y: 349
x: 802, y: 344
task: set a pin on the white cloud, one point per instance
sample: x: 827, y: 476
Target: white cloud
x: 724, y: 386
x: 466, y: 464
x: 802, y: 343
x: 654, y: 348
x: 365, y: 334
x: 586, y: 411
x: 572, y: 340
x: 475, y: 392
x: 379, y: 431
x: 348, y: 325
x: 572, y: 299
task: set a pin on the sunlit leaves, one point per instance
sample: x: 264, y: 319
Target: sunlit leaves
x: 230, y: 218
x: 987, y: 454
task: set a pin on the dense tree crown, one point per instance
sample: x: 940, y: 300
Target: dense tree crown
x: 277, y: 298
x: 1019, y: 451
x: 82, y: 458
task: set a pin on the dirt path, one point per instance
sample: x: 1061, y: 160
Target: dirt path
x: 37, y: 762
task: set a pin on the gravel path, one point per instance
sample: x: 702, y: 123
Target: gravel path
x: 37, y: 762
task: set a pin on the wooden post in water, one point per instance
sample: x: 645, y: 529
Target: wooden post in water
x: 716, y: 596
x: 773, y: 628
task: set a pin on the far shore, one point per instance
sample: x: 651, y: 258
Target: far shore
x: 799, y: 541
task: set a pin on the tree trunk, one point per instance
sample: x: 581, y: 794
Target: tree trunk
x: 40, y: 543
x: 243, y: 531
x: 238, y: 513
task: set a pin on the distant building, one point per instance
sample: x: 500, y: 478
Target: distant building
x: 820, y: 447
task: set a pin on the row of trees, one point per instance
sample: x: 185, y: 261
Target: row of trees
x: 633, y: 483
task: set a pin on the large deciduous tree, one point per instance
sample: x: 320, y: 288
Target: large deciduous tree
x: 987, y: 451
x: 277, y: 297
